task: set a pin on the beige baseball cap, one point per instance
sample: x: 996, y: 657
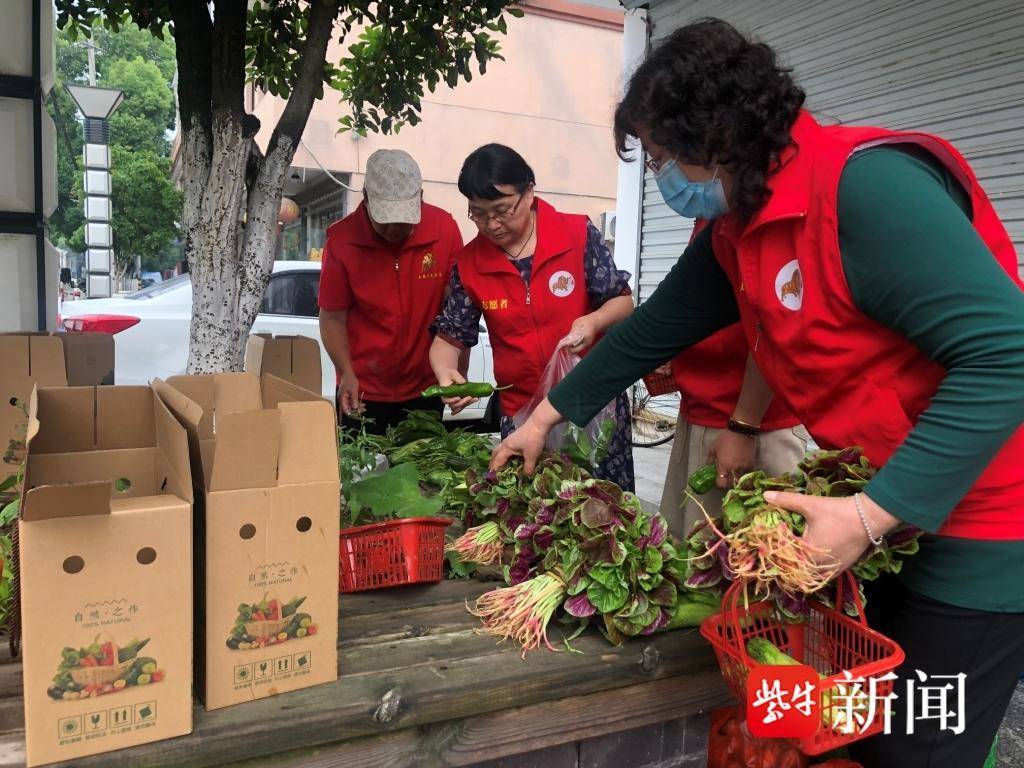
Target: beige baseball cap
x: 393, y: 187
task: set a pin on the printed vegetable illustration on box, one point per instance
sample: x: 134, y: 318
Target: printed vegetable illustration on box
x: 269, y: 622
x: 102, y: 668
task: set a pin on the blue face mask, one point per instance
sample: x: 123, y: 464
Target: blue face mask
x: 692, y: 199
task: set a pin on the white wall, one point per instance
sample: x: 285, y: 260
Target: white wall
x: 629, y: 189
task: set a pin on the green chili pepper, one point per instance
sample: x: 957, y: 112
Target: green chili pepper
x: 703, y: 480
x: 469, y: 389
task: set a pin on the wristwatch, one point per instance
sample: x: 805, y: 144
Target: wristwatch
x: 742, y: 428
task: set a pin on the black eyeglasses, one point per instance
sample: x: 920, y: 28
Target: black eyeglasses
x: 482, y: 217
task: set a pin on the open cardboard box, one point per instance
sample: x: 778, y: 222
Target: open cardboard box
x: 265, y: 463
x: 38, y: 359
x: 292, y: 358
x: 105, y: 544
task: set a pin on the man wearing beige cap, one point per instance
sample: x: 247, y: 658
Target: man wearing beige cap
x: 385, y: 269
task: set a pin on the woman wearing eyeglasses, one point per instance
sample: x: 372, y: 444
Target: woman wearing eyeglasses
x: 539, y: 277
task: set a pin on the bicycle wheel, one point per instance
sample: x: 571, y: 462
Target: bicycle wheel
x: 653, y: 416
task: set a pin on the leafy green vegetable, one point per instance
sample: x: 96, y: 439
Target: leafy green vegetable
x: 607, y: 598
x: 735, y: 546
x: 392, y: 494
x: 357, y: 452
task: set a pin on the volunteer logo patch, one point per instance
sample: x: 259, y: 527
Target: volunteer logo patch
x: 428, y: 267
x: 561, y: 284
x: 789, y: 286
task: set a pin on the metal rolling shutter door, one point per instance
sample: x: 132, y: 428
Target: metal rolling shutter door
x: 940, y: 66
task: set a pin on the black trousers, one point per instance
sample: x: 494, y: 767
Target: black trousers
x: 942, y: 639
x: 384, y: 415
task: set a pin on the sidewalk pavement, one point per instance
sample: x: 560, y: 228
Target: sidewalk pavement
x: 649, y: 467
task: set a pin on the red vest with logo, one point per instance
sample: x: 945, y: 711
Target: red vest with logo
x: 710, y: 376
x: 392, y: 294
x: 526, y: 322
x: 851, y: 380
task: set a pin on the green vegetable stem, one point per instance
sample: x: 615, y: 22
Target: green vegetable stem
x: 469, y: 389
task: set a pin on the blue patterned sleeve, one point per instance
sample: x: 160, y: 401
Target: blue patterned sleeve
x: 459, y: 321
x: 604, y: 280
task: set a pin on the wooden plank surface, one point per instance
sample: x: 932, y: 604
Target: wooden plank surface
x: 515, y: 731
x: 413, y: 662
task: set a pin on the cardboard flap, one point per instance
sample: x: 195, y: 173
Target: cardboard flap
x: 276, y: 390
x: 52, y: 501
x: 172, y: 441
x: 235, y: 392
x: 191, y: 399
x: 32, y: 428
x: 188, y: 412
x: 89, y: 358
x: 293, y: 358
x: 46, y: 361
x: 306, y: 367
x: 255, y: 348
x: 124, y: 417
x: 67, y: 420
x: 309, y: 443
x: 245, y: 453
x: 14, y: 353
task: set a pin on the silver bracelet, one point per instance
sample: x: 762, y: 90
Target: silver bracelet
x: 860, y: 511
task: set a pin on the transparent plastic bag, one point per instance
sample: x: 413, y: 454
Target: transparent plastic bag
x: 587, y: 445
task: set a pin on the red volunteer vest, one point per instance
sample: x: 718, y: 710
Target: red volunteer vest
x: 525, y: 323
x: 850, y: 380
x: 710, y: 376
x: 392, y: 297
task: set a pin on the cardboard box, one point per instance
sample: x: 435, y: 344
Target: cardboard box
x: 88, y: 358
x: 38, y: 359
x: 105, y: 543
x: 264, y: 457
x: 292, y: 358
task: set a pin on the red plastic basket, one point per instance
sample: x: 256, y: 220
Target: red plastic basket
x: 660, y: 384
x: 829, y: 641
x: 379, y: 555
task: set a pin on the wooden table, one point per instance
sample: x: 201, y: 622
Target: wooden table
x: 419, y: 685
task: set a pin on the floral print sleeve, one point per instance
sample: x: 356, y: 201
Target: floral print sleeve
x: 604, y: 280
x: 459, y: 321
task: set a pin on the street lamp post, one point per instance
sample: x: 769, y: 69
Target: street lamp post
x: 96, y: 106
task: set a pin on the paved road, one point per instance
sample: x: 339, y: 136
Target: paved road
x: 650, y: 465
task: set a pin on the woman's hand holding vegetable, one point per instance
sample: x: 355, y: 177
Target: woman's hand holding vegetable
x: 734, y: 455
x: 446, y: 379
x: 834, y: 526
x: 528, y: 440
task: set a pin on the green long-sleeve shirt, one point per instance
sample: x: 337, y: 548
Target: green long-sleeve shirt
x: 914, y: 264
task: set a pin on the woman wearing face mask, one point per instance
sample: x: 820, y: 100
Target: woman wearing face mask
x: 541, y: 278
x: 879, y: 294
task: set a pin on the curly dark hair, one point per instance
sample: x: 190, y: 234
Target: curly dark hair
x: 709, y: 95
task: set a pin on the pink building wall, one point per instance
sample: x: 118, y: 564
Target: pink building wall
x: 551, y: 99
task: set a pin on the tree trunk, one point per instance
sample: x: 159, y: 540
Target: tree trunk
x: 230, y: 260
x: 231, y: 255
